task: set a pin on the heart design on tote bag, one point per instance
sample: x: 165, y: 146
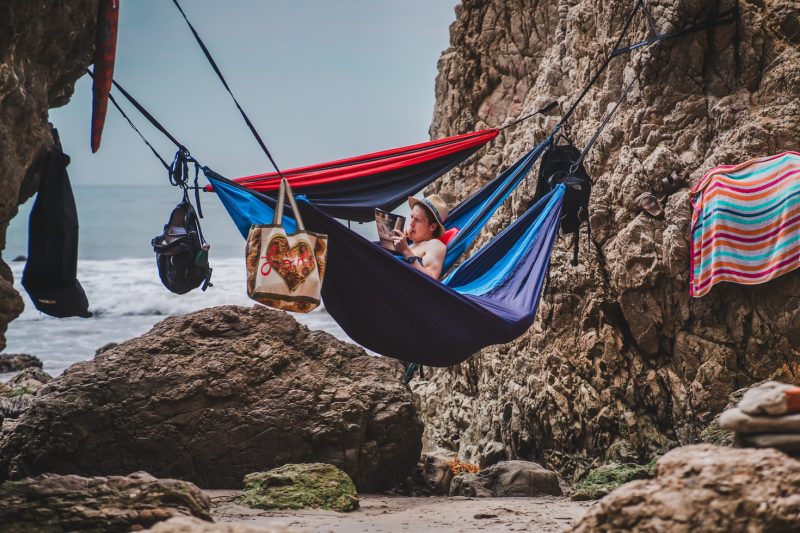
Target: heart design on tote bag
x: 293, y: 264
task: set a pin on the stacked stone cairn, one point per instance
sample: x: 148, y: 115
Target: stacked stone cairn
x: 768, y: 416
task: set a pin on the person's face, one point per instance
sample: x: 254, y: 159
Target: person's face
x: 419, y: 229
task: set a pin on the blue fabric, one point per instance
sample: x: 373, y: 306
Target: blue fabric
x: 473, y: 213
x: 247, y: 207
x: 391, y: 308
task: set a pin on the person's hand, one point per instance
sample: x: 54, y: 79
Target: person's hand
x: 400, y: 242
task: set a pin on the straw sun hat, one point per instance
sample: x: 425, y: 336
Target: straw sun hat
x: 435, y: 205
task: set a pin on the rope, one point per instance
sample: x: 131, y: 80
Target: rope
x: 227, y: 88
x: 178, y: 172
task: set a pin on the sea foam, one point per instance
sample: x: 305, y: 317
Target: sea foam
x: 127, y: 299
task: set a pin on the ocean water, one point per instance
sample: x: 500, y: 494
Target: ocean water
x: 117, y: 270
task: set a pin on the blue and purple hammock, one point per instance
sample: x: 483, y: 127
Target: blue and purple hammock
x: 384, y: 304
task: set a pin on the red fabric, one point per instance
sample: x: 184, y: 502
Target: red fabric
x: 448, y: 235
x: 105, y: 50
x: 369, y: 164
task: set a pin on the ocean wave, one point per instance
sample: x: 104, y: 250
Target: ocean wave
x: 127, y: 299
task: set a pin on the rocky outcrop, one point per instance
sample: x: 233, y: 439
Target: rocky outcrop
x: 621, y: 363
x: 309, y: 485
x: 16, y: 396
x: 705, y: 488
x: 768, y: 416
x: 14, y: 362
x: 433, y: 474
x: 507, y: 479
x: 73, y: 503
x: 214, y: 395
x: 44, y: 48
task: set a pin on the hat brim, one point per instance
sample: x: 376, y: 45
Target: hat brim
x: 416, y: 201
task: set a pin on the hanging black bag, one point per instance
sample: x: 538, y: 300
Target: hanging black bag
x: 182, y: 252
x: 558, y: 166
x: 561, y: 163
x: 50, y: 274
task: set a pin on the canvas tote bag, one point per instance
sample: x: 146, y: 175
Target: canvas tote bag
x: 285, y: 271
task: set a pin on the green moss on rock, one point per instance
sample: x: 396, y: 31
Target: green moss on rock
x: 20, y: 391
x: 297, y: 486
x: 606, y: 478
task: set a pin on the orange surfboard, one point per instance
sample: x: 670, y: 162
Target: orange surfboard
x: 105, y: 51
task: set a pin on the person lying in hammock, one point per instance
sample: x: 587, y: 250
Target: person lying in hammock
x: 425, y: 226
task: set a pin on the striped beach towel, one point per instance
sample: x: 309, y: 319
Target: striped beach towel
x: 745, y: 223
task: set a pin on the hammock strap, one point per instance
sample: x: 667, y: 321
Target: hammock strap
x: 712, y: 21
x: 603, y: 124
x: 727, y: 17
x: 141, y: 136
x: 542, y: 111
x: 227, y: 88
x: 146, y: 114
x: 178, y: 171
x: 602, y: 67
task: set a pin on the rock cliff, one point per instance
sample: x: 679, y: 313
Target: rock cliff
x: 44, y: 48
x: 621, y: 363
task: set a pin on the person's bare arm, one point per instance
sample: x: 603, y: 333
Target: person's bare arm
x: 433, y: 260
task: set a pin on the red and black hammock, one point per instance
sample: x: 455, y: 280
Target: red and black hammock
x: 352, y: 188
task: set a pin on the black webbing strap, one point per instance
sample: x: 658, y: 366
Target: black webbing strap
x: 156, y: 124
x: 714, y: 20
x: 542, y: 111
x: 608, y: 116
x: 178, y: 171
x: 602, y: 67
x: 225, y: 84
x: 408, y: 375
x: 125, y: 116
x: 727, y: 17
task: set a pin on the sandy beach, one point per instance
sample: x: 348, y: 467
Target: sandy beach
x: 395, y: 514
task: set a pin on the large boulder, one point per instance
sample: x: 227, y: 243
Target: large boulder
x: 706, y: 488
x: 606, y: 478
x: 13, y: 362
x: 312, y: 485
x: 214, y: 395
x: 507, y: 479
x: 56, y: 503
x: 433, y: 473
x: 16, y: 396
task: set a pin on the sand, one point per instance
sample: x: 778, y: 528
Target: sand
x: 399, y: 514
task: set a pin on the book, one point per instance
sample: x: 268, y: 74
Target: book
x: 387, y: 223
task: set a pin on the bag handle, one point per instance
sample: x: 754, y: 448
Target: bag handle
x: 284, y: 191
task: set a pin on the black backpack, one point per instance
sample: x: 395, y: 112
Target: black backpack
x: 558, y: 166
x: 50, y: 274
x: 182, y: 252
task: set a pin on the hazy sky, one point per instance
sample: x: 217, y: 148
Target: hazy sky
x: 321, y: 80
